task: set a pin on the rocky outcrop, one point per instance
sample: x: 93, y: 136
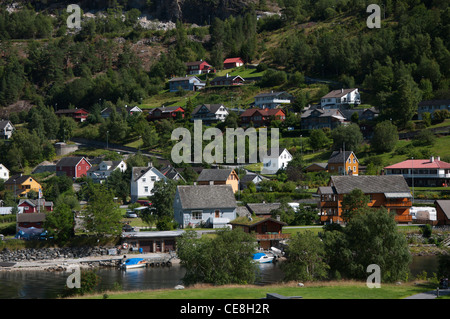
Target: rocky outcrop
x: 189, y: 11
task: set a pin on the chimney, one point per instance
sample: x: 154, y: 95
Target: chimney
x: 342, y: 90
x: 438, y: 158
x: 432, y: 159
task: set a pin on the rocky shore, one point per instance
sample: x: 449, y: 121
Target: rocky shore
x: 60, y: 259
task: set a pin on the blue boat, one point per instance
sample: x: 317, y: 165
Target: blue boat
x: 262, y: 258
x: 131, y: 263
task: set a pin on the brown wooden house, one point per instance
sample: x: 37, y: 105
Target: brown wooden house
x: 442, y: 212
x: 389, y: 191
x: 268, y: 231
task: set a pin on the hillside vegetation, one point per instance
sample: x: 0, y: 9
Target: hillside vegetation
x: 306, y: 48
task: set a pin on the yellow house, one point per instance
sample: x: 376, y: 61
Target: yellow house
x: 343, y: 163
x: 22, y: 184
x: 219, y: 177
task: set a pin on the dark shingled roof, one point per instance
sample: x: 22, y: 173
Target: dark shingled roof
x: 262, y: 208
x: 370, y: 184
x: 445, y: 206
x: 70, y: 161
x: 206, y: 196
x: 338, y: 157
x: 214, y: 175
x: 30, y: 217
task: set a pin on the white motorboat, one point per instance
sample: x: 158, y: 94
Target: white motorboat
x: 262, y: 258
x: 132, y: 263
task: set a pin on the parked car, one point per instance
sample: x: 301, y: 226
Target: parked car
x: 131, y: 214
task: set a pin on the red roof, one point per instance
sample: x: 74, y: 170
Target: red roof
x: 420, y: 163
x: 233, y: 60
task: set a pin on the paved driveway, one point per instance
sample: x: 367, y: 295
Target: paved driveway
x: 429, y: 294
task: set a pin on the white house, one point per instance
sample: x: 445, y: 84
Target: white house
x: 143, y: 180
x: 210, y: 113
x: 432, y: 106
x: 4, y: 172
x: 273, y: 162
x: 187, y: 83
x: 337, y: 98
x: 422, y: 172
x: 209, y: 205
x: 102, y: 171
x: 6, y: 129
x: 272, y: 100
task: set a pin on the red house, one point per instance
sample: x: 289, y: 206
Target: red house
x: 261, y: 117
x: 199, y: 67
x: 32, y: 205
x: 227, y: 80
x: 232, y: 63
x: 171, y: 112
x: 79, y: 115
x: 73, y: 167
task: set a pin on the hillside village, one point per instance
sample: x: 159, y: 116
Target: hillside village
x: 92, y: 141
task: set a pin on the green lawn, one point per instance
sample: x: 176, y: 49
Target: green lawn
x: 325, y: 290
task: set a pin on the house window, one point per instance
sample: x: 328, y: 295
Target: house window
x: 354, y: 169
x: 146, y: 189
x: 197, y: 214
x: 144, y: 180
x: 153, y: 178
x: 217, y: 213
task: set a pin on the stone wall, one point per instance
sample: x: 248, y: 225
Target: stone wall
x: 32, y: 254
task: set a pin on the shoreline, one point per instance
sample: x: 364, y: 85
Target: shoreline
x: 62, y: 264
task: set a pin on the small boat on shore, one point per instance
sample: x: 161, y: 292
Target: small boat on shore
x: 262, y: 258
x: 132, y: 263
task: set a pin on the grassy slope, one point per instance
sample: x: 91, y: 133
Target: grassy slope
x: 328, y: 290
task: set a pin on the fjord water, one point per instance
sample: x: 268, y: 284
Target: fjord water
x: 29, y: 284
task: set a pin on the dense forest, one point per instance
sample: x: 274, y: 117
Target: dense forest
x: 42, y: 61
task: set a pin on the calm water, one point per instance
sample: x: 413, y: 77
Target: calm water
x: 48, y: 285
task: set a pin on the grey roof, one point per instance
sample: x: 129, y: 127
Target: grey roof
x: 262, y: 208
x: 3, y: 124
x: 70, y: 161
x: 206, y: 196
x: 153, y: 234
x: 30, y: 217
x: 370, y: 184
x: 249, y: 177
x: 326, y: 190
x: 214, y: 175
x: 171, y: 173
x: 183, y: 78
x: 113, y: 165
x: 323, y: 165
x: 323, y: 113
x: 338, y: 157
x: 338, y: 93
x: 138, y: 172
x: 19, y: 179
x: 213, y: 108
x: 166, y: 109
x: 445, y: 206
